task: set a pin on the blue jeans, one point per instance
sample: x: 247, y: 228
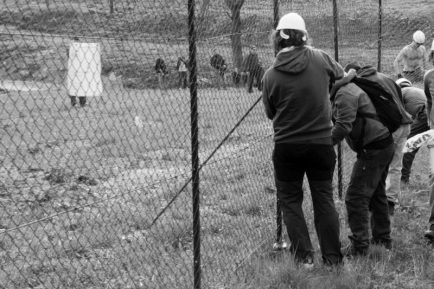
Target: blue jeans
x: 367, y: 193
x: 393, y: 180
x: 291, y: 163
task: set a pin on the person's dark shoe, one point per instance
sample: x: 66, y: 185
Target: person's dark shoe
x: 391, y: 207
x: 333, y: 264
x: 350, y: 251
x: 429, y: 235
x: 307, y: 263
x: 385, y: 243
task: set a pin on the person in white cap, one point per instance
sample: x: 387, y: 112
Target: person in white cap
x: 428, y: 83
x: 295, y: 95
x: 411, y: 60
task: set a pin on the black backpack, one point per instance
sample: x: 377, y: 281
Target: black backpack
x: 388, y: 112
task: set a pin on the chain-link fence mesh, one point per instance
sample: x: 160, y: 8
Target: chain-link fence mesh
x: 95, y: 186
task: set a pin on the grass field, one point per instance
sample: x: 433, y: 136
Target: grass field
x: 94, y: 195
x: 81, y: 188
x: 94, y: 182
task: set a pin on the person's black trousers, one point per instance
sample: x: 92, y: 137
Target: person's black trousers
x: 366, y: 199
x: 291, y: 163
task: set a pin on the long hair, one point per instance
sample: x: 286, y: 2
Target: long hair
x: 296, y: 38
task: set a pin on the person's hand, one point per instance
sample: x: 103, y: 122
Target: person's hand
x: 351, y: 73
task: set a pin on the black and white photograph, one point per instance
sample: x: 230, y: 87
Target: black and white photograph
x: 216, y: 144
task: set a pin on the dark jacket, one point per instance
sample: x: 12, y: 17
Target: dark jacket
x: 349, y: 103
x: 160, y: 66
x: 217, y: 61
x: 296, y: 95
x: 251, y: 63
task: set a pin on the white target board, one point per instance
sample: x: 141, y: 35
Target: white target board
x: 84, y: 69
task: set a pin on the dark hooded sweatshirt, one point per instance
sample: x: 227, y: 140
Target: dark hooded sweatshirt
x: 296, y: 95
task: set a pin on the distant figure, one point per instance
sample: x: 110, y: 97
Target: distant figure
x: 161, y: 71
x: 413, y: 58
x: 236, y: 76
x: 253, y: 69
x: 219, y: 64
x: 181, y: 67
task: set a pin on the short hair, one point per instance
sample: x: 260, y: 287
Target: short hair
x: 295, y: 38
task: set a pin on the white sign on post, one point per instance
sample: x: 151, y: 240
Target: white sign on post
x: 84, y: 70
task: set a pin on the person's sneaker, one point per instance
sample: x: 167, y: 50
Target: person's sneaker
x: 429, y: 235
x: 387, y: 244
x: 391, y: 207
x: 308, y: 263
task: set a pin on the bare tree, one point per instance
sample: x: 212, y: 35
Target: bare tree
x: 203, y: 8
x: 235, y: 15
x: 111, y: 6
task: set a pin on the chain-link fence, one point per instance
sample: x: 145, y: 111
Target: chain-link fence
x: 99, y: 137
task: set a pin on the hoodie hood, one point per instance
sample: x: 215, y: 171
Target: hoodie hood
x: 292, y: 60
x: 366, y: 71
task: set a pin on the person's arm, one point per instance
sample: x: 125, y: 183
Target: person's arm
x: 333, y: 68
x: 431, y: 56
x: 397, y: 62
x: 424, y: 58
x: 429, y: 92
x: 344, y: 80
x: 344, y: 111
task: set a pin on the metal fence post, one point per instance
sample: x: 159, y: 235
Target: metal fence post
x: 194, y: 144
x: 380, y: 32
x: 336, y: 46
x: 279, y: 244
